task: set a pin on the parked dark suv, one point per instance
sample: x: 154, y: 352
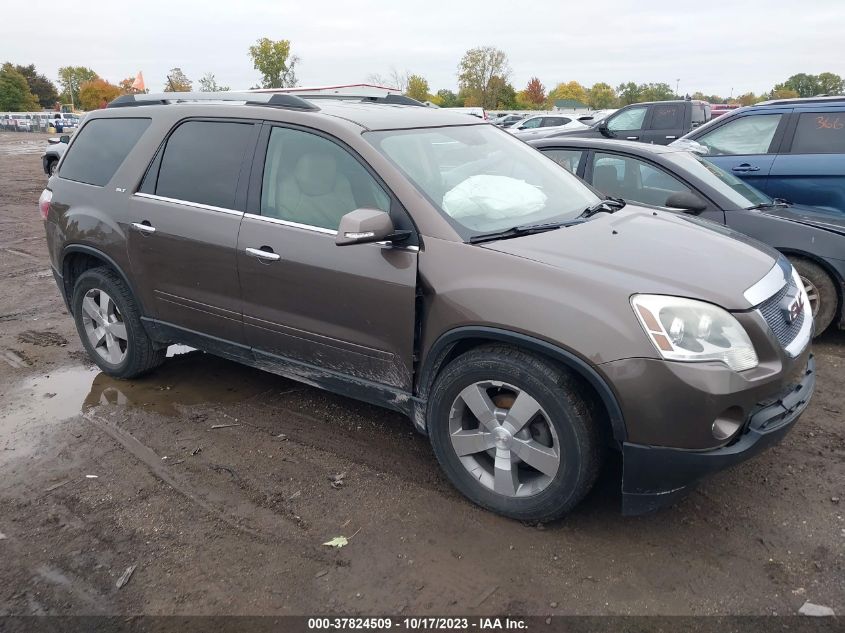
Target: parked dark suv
x: 435, y: 265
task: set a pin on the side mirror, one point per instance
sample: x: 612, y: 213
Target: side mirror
x: 686, y: 201
x: 364, y: 226
x: 64, y: 138
x: 604, y: 129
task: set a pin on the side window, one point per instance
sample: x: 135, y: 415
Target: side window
x: 819, y: 133
x: 101, y: 148
x: 744, y: 135
x: 532, y: 123
x: 666, y: 116
x: 566, y: 158
x: 699, y: 114
x: 311, y: 180
x: 630, y: 119
x: 202, y: 162
x: 634, y: 180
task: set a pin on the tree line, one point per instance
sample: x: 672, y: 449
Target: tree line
x: 483, y: 77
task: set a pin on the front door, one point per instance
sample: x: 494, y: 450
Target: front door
x: 628, y: 123
x: 310, y: 307
x: 184, y: 224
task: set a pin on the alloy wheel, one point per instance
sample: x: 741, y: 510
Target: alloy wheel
x: 812, y: 294
x: 504, y: 438
x: 104, y: 326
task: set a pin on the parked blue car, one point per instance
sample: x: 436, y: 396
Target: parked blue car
x: 789, y: 148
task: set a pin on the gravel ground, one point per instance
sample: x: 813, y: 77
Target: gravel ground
x: 98, y: 475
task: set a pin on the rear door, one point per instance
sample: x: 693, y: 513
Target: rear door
x: 311, y: 307
x: 665, y: 123
x: 810, y: 168
x: 746, y: 145
x: 184, y: 226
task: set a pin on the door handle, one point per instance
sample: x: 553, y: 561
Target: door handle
x: 744, y: 167
x: 632, y: 138
x: 265, y: 253
x: 671, y: 137
x: 144, y: 227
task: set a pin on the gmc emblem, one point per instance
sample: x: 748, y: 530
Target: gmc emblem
x: 793, y: 309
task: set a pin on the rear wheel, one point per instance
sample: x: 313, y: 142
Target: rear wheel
x: 821, y: 291
x: 109, y: 325
x: 51, y: 166
x: 513, y: 434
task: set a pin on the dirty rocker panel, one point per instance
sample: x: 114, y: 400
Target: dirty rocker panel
x: 336, y: 382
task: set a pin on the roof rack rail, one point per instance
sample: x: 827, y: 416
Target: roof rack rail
x: 278, y: 100
x: 393, y: 99
x: 800, y: 100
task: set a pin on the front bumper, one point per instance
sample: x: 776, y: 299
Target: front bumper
x: 654, y: 477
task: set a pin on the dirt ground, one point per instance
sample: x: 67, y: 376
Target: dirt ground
x: 98, y: 475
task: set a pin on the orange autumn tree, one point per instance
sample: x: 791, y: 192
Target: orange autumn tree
x: 93, y: 94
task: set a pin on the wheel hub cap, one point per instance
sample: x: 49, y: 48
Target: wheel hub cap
x: 104, y: 326
x: 504, y: 438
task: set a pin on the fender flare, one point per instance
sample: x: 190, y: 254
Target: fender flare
x: 444, y: 344
x: 90, y: 250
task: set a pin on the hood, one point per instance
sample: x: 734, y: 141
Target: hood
x: 833, y: 221
x: 638, y: 250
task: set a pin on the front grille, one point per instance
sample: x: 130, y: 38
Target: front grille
x: 772, y: 310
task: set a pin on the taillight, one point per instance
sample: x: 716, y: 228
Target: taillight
x: 44, y: 203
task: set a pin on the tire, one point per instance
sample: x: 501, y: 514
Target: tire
x: 821, y: 291
x: 563, y: 424
x: 51, y: 167
x: 122, y: 348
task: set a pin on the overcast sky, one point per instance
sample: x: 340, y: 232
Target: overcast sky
x: 710, y: 45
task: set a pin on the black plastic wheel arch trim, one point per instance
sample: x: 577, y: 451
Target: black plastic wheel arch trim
x: 438, y: 352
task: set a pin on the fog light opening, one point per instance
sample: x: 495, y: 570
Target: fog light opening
x: 728, y: 424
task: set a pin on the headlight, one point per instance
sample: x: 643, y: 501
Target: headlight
x: 694, y: 331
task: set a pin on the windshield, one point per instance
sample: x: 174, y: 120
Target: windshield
x: 482, y: 179
x: 739, y: 192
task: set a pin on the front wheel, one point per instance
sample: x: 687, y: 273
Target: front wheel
x: 513, y: 434
x: 821, y: 292
x: 109, y: 325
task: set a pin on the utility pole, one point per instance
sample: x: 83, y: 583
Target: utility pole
x: 677, y: 84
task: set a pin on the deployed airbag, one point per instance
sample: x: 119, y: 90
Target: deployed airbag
x: 493, y: 197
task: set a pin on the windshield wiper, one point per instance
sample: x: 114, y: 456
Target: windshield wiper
x: 522, y: 229
x: 776, y: 202
x: 608, y: 205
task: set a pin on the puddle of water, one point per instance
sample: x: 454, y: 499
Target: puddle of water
x: 188, y: 377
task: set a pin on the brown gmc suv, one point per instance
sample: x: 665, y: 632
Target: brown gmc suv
x: 433, y: 264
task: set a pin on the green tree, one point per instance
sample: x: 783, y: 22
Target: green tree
x: 70, y: 78
x: 476, y: 69
x: 449, y: 99
x: 502, y: 93
x: 209, y: 84
x: 97, y: 93
x: 601, y: 96
x: 15, y: 95
x: 568, y: 91
x: 39, y: 85
x: 274, y: 61
x: 628, y: 93
x: 831, y: 84
x: 417, y: 88
x: 177, y: 81
x: 802, y: 83
x: 656, y: 92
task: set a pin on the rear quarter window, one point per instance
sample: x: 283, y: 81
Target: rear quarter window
x: 818, y: 133
x: 100, y: 148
